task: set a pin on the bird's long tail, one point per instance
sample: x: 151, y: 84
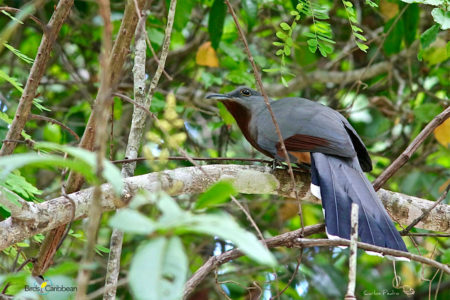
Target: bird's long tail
x: 341, y: 182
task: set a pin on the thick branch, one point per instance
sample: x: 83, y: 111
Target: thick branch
x: 191, y: 180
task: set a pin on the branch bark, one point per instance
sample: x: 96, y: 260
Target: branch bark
x: 41, y: 217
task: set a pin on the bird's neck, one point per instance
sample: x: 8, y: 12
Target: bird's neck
x: 243, y: 115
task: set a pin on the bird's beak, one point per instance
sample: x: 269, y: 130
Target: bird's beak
x: 218, y: 97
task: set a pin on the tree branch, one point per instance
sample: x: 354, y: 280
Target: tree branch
x: 37, y: 71
x: 406, y: 155
x: 292, y: 239
x: 41, y: 217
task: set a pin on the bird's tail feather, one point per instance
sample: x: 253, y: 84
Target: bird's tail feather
x: 342, y: 183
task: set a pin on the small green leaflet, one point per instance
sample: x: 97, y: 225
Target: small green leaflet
x: 19, y: 54
x: 11, y: 17
x: 216, y: 195
x: 216, y: 21
x: 84, y: 163
x: 37, y: 102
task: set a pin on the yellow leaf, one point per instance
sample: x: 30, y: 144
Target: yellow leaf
x: 206, y: 56
x: 442, y: 133
x: 388, y: 9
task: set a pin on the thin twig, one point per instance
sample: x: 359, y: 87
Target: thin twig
x: 53, y: 121
x: 16, y: 10
x: 266, y: 100
x: 164, y: 51
x: 213, y: 159
x: 128, y: 99
x: 353, y: 254
x: 426, y: 212
x: 294, y: 274
x: 409, y: 151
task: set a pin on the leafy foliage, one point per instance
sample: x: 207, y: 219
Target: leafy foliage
x: 359, y: 38
x: 315, y: 47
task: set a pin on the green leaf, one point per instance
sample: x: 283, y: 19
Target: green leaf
x: 348, y: 4
x: 155, y: 36
x: 18, y: 86
x: 429, y: 36
x: 441, y: 17
x: 167, y: 205
x: 287, y: 50
x: 15, y: 161
x: 11, y: 17
x: 132, y: 221
x: 281, y: 35
x: 110, y: 172
x: 371, y: 3
x: 362, y: 47
x: 224, y: 226
x: 312, y: 42
x: 393, y: 41
x: 285, y: 26
x: 284, y: 82
x: 427, y: 111
x: 19, y: 185
x: 326, y: 39
x: 52, y: 133
x: 356, y: 28
x: 251, y: 12
x: 217, y: 194
x: 411, y: 19
x: 100, y: 249
x: 11, y: 80
x: 225, y: 114
x: 183, y: 13
x: 216, y: 21
x: 240, y: 77
x: 159, y: 270
x: 271, y: 70
x: 360, y: 36
x: 19, y: 54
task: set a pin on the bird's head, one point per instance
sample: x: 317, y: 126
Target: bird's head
x: 242, y: 95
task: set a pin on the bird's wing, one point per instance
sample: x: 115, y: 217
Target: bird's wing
x: 306, y: 126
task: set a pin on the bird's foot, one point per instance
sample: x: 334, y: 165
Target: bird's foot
x: 275, y: 163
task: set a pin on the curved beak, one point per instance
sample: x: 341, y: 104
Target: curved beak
x: 218, y: 97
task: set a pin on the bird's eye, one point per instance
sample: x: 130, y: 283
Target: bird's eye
x: 246, y: 92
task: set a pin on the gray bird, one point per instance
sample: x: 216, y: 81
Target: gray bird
x: 322, y: 137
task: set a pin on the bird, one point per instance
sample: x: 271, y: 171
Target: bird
x: 323, y: 138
